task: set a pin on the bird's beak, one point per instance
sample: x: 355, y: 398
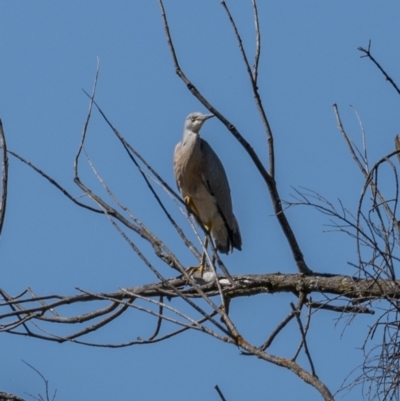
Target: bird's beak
x: 207, y: 116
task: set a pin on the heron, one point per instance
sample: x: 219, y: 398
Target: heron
x: 203, y: 184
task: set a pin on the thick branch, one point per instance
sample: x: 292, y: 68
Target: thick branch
x: 294, y: 367
x: 9, y: 397
x: 245, y: 285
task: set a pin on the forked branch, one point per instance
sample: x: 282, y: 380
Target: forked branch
x: 367, y: 53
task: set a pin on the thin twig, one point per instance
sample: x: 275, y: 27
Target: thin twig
x: 257, y: 97
x: 4, y: 177
x: 277, y: 330
x: 132, y: 153
x: 52, y: 181
x: 46, y: 382
x: 348, y: 141
x: 219, y: 392
x: 258, y: 42
x: 364, y: 140
x: 303, y: 332
x: 369, y: 55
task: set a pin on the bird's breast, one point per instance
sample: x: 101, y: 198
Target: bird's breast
x: 187, y: 165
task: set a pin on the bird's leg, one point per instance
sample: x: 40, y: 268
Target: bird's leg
x: 190, y: 205
x: 200, y: 268
x: 202, y: 265
x: 203, y: 258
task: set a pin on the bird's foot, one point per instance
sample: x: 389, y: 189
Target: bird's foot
x: 196, y: 271
x: 200, y: 275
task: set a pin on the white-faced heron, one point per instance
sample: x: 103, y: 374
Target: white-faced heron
x: 202, y: 181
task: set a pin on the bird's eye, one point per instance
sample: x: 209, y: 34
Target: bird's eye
x: 193, y: 119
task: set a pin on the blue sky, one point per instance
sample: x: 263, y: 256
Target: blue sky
x: 309, y: 61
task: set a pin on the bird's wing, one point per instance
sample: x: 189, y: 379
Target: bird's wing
x: 177, y: 166
x: 216, y: 181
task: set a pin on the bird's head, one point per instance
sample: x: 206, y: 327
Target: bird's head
x: 194, y: 121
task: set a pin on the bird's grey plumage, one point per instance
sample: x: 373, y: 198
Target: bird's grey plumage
x: 204, y: 186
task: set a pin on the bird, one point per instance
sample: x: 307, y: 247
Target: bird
x: 203, y: 184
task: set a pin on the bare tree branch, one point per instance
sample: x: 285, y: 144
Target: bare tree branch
x: 4, y: 177
x: 9, y: 397
x: 258, y: 42
x: 46, y: 383
x: 220, y: 393
x: 367, y: 53
x: 32, y: 308
x: 303, y: 332
x: 253, y: 82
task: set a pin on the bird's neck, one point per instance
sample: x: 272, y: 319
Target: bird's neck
x: 191, y: 145
x: 190, y: 138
